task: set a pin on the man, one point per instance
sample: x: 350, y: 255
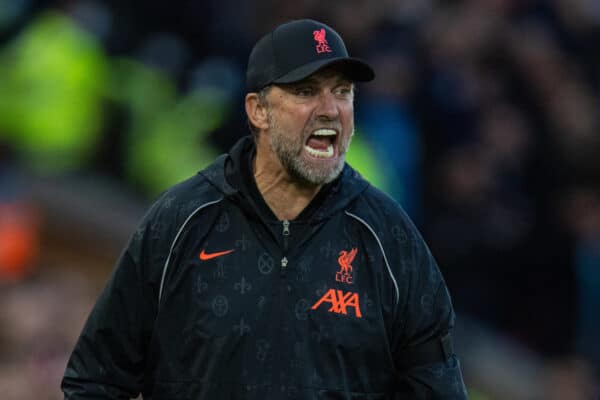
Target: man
x: 277, y: 272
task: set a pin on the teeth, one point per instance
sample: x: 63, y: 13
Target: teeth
x: 320, y: 153
x: 324, y: 132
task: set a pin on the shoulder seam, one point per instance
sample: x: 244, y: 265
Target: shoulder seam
x: 166, y: 266
x: 387, y: 264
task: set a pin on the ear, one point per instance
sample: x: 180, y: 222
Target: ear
x: 256, y: 112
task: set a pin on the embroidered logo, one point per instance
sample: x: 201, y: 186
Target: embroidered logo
x: 340, y: 302
x: 345, y: 260
x: 322, y: 45
x: 209, y: 256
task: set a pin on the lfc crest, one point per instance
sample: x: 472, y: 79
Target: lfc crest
x: 322, y: 45
x: 345, y: 260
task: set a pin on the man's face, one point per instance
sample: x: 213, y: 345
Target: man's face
x: 311, y: 123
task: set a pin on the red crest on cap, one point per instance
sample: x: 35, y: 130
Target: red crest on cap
x: 322, y: 45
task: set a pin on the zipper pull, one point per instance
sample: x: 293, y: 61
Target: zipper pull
x: 286, y: 227
x: 284, y: 262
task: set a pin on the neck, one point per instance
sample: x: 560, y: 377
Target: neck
x: 285, y: 196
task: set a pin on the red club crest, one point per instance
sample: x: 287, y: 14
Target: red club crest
x: 322, y: 45
x: 345, y: 260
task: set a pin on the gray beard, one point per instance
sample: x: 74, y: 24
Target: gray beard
x: 289, y: 153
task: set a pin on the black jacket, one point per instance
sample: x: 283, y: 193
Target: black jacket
x: 214, y: 298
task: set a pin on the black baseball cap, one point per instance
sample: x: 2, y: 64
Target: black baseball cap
x: 297, y: 49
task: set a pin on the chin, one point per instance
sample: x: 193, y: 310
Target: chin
x: 319, y: 171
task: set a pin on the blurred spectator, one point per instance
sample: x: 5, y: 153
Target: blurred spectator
x: 19, y: 224
x: 582, y: 217
x: 53, y: 77
x: 40, y: 320
x: 385, y: 113
x: 18, y: 239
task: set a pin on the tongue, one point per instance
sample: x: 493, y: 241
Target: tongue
x: 318, y: 142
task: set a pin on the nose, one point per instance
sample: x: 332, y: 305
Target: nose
x: 327, y: 107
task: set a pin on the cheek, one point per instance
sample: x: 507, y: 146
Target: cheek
x: 299, y: 125
x: 292, y: 119
x: 347, y: 118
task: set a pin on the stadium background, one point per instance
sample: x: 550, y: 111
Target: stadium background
x: 483, y: 123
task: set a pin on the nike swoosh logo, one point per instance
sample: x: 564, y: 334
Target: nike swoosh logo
x: 209, y: 256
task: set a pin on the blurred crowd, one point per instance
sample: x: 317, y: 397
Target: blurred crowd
x: 482, y: 122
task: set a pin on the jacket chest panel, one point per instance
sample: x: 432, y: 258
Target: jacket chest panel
x: 319, y: 311
x: 227, y: 280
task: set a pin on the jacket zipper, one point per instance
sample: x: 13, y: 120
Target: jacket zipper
x: 282, y: 316
x: 286, y: 234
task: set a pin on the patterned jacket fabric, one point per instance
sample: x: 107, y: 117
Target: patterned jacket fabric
x: 214, y: 298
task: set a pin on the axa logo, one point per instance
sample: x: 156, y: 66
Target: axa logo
x: 339, y: 302
x: 345, y: 260
x: 322, y: 45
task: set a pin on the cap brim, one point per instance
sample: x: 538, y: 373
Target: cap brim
x: 355, y: 69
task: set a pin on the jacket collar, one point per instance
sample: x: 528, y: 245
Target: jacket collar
x: 232, y: 175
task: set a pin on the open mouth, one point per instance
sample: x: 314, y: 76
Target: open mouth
x: 321, y: 144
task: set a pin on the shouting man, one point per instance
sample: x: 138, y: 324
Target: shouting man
x: 277, y: 272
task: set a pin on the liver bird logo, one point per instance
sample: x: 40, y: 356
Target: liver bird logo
x: 322, y: 45
x: 345, y: 260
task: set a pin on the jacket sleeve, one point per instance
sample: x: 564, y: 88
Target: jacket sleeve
x: 109, y: 358
x: 426, y: 364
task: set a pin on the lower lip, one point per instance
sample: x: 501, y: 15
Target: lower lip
x: 321, y: 158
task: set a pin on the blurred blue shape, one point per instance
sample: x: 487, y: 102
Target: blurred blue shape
x: 165, y: 52
x: 11, y: 11
x: 395, y: 139
x: 587, y: 266
x: 218, y: 74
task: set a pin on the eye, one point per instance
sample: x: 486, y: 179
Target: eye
x: 304, y: 91
x: 343, y: 91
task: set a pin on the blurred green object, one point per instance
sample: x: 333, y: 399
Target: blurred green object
x: 475, y: 394
x: 55, y: 81
x: 167, y: 138
x: 52, y: 79
x: 362, y: 157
